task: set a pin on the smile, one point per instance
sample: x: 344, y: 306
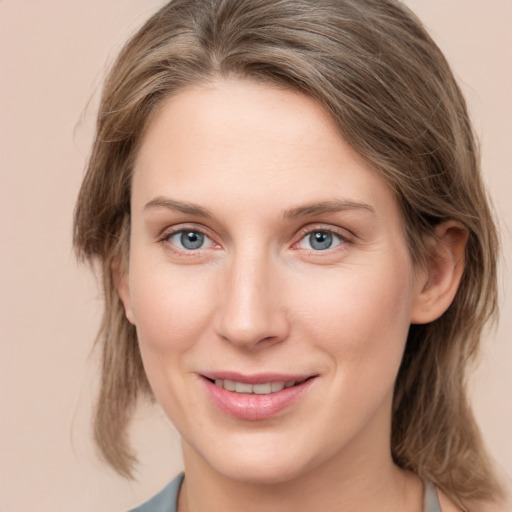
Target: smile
x: 256, y: 398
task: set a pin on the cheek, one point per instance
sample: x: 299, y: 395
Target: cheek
x: 361, y: 316
x: 361, y: 323
x: 171, y: 314
x: 170, y: 308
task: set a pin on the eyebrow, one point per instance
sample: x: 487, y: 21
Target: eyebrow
x: 333, y: 206
x: 171, y: 204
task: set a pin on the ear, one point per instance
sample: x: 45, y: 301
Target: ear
x: 438, y: 283
x: 120, y: 274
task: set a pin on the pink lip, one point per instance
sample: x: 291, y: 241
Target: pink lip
x: 255, y: 407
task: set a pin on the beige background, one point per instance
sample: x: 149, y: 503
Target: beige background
x: 53, y: 55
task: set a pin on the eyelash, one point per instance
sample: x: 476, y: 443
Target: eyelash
x: 342, y: 236
x: 167, y: 236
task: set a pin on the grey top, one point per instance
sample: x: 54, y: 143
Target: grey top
x: 166, y: 499
x: 430, y: 500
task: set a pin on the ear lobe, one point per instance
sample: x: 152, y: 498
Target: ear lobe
x: 440, y: 280
x: 120, y: 275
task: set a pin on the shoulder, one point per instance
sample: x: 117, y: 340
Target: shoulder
x: 165, y: 500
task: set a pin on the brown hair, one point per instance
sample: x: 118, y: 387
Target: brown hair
x: 374, y: 68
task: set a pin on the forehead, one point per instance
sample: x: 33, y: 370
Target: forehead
x: 259, y: 144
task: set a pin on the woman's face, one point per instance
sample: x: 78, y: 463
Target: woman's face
x: 269, y: 281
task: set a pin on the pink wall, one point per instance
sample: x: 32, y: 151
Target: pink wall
x: 52, y: 58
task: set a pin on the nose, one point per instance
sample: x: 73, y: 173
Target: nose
x: 251, y: 312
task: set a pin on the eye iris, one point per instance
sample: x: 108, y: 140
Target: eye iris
x: 191, y: 239
x: 320, y: 240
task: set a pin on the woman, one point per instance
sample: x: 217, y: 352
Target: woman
x: 298, y: 257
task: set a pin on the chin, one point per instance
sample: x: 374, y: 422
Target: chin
x: 262, y: 468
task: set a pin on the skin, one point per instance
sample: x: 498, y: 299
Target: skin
x: 257, y: 297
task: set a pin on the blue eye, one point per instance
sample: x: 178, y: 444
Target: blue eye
x: 189, y: 240
x: 320, y: 240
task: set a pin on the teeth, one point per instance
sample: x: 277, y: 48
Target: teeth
x: 257, y: 389
x: 242, y: 387
x: 262, y: 389
x: 229, y: 385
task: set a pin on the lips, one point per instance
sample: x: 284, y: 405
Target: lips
x: 255, y: 397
